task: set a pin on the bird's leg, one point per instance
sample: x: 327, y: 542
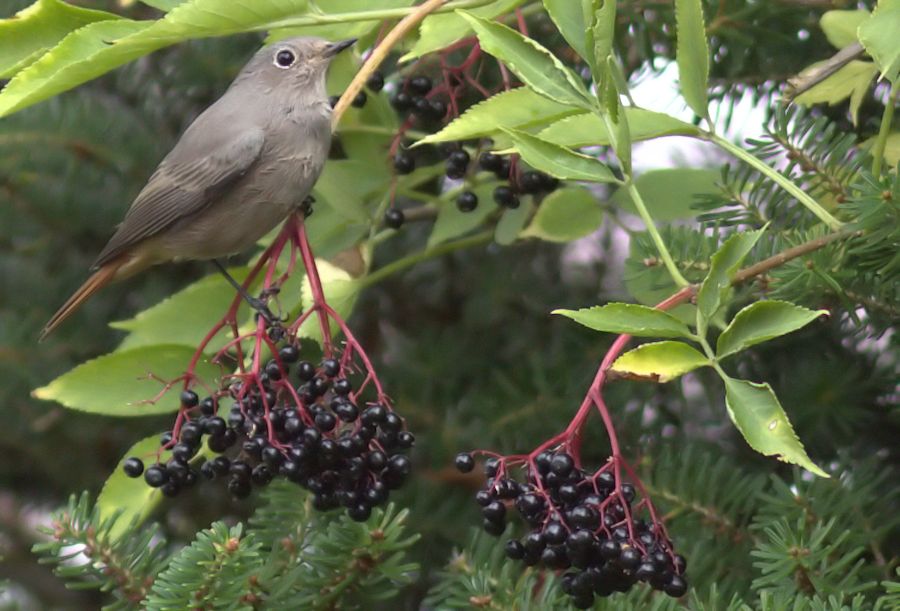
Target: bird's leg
x: 257, y: 304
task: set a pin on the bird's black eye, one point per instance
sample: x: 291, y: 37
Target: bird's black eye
x: 285, y: 58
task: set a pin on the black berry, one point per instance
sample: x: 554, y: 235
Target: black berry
x: 133, y: 467
x: 467, y: 201
x: 394, y: 218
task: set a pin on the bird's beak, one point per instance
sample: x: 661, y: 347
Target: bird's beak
x: 336, y: 47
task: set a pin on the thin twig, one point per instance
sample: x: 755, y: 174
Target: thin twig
x: 379, y: 54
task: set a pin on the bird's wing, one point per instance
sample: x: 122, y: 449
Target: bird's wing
x: 179, y: 189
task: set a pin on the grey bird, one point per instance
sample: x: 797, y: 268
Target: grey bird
x: 238, y: 170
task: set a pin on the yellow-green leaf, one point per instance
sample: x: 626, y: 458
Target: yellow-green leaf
x: 879, y: 35
x: 630, y: 318
x: 520, y: 108
x: 841, y: 27
x: 451, y: 222
x: 130, y: 499
x: 851, y: 81
x: 440, y: 30
x: 587, y: 129
x: 536, y: 66
x: 761, y: 321
x: 33, y: 30
x: 758, y: 415
x: 565, y: 215
x: 670, y: 193
x: 117, y: 384
x: 569, y: 19
x: 510, y: 225
x: 660, y: 361
x: 692, y: 55
x: 559, y: 161
x: 717, y: 284
x: 341, y: 291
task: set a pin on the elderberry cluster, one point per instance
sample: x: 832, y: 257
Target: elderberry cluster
x: 301, y: 422
x: 581, y: 523
x: 413, y: 97
x: 528, y: 182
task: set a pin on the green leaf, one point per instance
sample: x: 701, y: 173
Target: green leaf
x: 759, y: 417
x: 27, y: 35
x: 660, y: 361
x: 99, y: 47
x: 117, y: 384
x: 565, y: 215
x: 670, y: 194
x: 185, y: 317
x: 879, y: 36
x: 511, y: 224
x: 601, y: 17
x: 130, y: 498
x: 692, y: 54
x: 761, y: 321
x: 363, y: 29
x: 82, y: 55
x: 633, y: 319
x: 535, y: 65
x: 346, y: 184
x: 891, y: 148
x: 841, y: 27
x: 587, y: 129
x: 569, y: 19
x: 439, y: 31
x: 341, y: 291
x: 559, y: 161
x: 521, y: 107
x: 851, y: 80
x: 723, y: 265
x: 163, y: 5
x: 452, y: 223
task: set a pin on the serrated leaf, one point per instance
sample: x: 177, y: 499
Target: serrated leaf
x: 587, y: 129
x: 840, y: 27
x: 660, y: 361
x: 520, y: 108
x: 439, y: 31
x: 692, y: 55
x: 117, y: 384
x: 879, y: 34
x: 363, y: 29
x: 346, y: 184
x: 891, y: 148
x: 569, y: 19
x: 557, y: 160
x: 35, y: 29
x: 99, y: 47
x: 452, y: 223
x: 670, y: 193
x: 723, y: 265
x: 510, y: 225
x: 185, y: 317
x: 761, y: 321
x: 600, y: 17
x: 759, y: 417
x: 629, y: 318
x: 163, y: 5
x: 852, y: 81
x: 536, y: 66
x: 565, y: 215
x: 130, y: 498
x: 341, y: 291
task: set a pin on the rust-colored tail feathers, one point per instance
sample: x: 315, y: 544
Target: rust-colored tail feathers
x: 97, y: 281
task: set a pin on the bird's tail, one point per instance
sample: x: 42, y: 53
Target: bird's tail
x: 97, y: 281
